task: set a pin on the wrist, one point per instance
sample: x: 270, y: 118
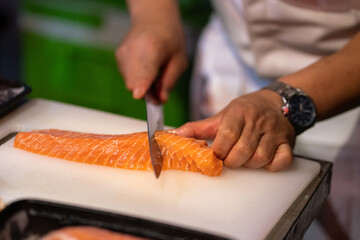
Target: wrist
x: 272, y: 97
x: 159, y: 12
x: 297, y: 106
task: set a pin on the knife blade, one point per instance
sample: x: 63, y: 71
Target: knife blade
x: 155, y: 122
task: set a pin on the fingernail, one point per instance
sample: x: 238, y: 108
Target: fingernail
x: 137, y: 93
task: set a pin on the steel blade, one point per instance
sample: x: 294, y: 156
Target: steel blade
x: 155, y: 122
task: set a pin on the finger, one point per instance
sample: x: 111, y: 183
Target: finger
x: 139, y: 69
x: 244, y: 149
x: 140, y: 79
x: 170, y: 75
x: 264, y: 153
x: 203, y: 129
x: 229, y: 133
x: 282, y: 159
x: 201, y: 142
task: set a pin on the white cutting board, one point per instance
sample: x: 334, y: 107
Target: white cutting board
x: 239, y: 204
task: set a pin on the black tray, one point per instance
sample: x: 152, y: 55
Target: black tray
x: 11, y: 95
x: 31, y: 219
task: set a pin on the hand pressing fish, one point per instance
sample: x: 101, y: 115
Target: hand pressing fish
x: 128, y: 151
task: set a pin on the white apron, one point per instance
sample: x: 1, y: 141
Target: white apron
x: 248, y: 44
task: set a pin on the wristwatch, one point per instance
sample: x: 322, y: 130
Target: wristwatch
x: 297, y: 106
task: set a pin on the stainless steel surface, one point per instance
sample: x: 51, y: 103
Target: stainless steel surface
x: 155, y: 122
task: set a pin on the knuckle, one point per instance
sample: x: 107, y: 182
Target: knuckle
x: 256, y: 162
x: 266, y: 122
x: 260, y: 158
x: 237, y: 106
x: 270, y: 115
x: 188, y: 125
x: 237, y: 112
x: 279, y: 167
x: 152, y: 41
x: 219, y: 151
x: 281, y: 163
x: 254, y: 112
x: 285, y: 157
x: 235, y: 158
x: 244, y: 149
x: 231, y: 163
x: 229, y: 134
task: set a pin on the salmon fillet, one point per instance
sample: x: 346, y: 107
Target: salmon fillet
x: 129, y: 151
x: 87, y: 233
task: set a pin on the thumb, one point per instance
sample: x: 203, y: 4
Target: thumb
x: 203, y: 129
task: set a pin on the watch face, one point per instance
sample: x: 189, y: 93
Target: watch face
x: 302, y: 111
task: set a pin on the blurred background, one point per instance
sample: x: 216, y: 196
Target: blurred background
x: 64, y: 50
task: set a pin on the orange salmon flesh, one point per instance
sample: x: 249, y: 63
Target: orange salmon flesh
x: 87, y: 233
x: 128, y: 151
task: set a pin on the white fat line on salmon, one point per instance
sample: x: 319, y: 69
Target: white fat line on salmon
x: 143, y: 155
x: 125, y: 153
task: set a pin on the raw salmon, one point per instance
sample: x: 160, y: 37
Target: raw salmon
x: 129, y: 151
x: 87, y: 233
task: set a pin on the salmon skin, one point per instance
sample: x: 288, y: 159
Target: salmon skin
x: 128, y: 151
x: 87, y: 233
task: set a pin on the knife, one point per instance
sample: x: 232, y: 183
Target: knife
x: 155, y: 122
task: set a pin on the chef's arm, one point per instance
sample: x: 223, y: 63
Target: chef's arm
x: 333, y: 82
x: 153, y: 12
x: 155, y: 41
x: 252, y: 130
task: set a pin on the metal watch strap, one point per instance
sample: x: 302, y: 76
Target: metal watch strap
x: 284, y: 89
x: 281, y: 89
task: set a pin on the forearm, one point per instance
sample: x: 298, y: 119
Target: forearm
x: 332, y: 82
x: 150, y: 11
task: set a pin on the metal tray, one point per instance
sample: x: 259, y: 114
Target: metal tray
x: 31, y: 219
x: 11, y: 95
